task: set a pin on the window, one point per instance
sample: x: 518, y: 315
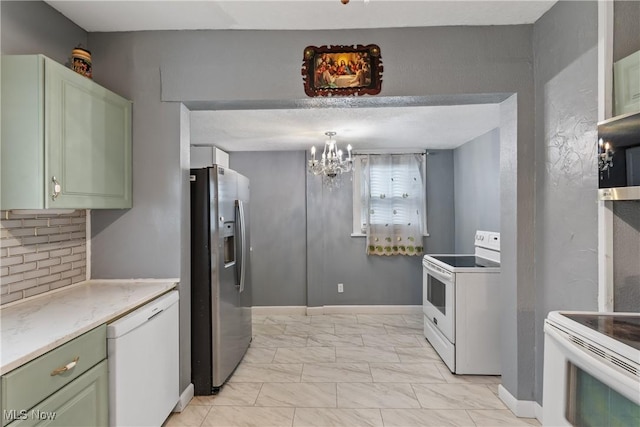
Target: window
x: 389, y: 190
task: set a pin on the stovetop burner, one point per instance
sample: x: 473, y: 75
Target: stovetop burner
x: 625, y: 329
x: 465, y: 261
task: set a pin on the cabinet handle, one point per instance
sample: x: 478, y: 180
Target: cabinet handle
x: 57, y: 188
x: 66, y: 367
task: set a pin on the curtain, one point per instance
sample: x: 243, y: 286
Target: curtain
x: 395, y: 200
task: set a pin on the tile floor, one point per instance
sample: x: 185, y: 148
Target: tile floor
x: 346, y: 370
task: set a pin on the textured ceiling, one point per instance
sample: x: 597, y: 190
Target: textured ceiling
x: 432, y: 127
x: 100, y: 15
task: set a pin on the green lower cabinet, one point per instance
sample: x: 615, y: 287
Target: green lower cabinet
x: 66, y: 387
x: 84, y: 402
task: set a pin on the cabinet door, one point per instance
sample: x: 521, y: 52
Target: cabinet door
x: 22, y: 131
x: 83, y: 402
x: 17, y: 386
x: 87, y: 142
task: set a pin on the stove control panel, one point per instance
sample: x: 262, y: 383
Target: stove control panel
x: 488, y: 239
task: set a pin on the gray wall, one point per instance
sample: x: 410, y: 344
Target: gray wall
x: 440, y: 202
x: 30, y: 27
x: 336, y: 257
x: 149, y: 67
x: 566, y: 241
x: 516, y: 255
x: 278, y: 225
x: 626, y: 28
x: 476, y: 166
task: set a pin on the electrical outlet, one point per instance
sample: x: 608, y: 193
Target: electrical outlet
x: 340, y: 288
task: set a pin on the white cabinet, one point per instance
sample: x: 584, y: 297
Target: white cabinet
x: 203, y: 156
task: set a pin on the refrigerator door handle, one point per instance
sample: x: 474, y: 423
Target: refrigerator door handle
x: 243, y: 243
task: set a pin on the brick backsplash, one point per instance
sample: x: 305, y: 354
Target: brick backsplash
x: 41, y: 252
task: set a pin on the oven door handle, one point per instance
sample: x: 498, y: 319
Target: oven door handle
x: 438, y: 275
x: 595, y: 367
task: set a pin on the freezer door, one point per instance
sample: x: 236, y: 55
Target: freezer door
x: 231, y: 337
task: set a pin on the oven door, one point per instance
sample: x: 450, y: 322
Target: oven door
x: 582, y: 387
x: 438, y: 298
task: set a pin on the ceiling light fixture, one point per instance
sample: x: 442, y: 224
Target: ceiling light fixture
x: 331, y: 164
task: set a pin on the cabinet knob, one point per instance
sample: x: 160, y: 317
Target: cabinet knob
x: 57, y: 188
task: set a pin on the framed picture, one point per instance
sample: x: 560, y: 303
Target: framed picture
x: 342, y: 70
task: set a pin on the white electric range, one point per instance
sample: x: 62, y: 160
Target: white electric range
x: 591, y: 369
x: 461, y: 305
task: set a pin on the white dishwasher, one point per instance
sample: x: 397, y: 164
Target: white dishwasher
x: 143, y: 364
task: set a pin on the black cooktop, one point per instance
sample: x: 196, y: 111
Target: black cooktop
x: 465, y: 261
x: 625, y: 329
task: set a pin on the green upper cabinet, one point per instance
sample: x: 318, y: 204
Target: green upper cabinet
x: 66, y: 141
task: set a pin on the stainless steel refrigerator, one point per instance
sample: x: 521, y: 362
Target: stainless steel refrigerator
x: 220, y: 276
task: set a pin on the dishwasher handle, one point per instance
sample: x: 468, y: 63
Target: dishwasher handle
x: 154, y: 315
x: 141, y: 315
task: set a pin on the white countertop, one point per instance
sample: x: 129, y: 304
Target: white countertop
x: 32, y: 327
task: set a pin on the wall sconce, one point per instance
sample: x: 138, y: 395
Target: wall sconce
x: 605, y: 157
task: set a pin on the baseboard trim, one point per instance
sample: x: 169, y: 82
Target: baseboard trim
x: 539, y: 412
x: 185, y: 398
x: 370, y: 309
x: 520, y: 408
x: 336, y: 309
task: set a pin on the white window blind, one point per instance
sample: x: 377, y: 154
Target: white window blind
x: 389, y: 198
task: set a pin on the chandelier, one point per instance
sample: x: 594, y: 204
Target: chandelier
x: 331, y: 164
